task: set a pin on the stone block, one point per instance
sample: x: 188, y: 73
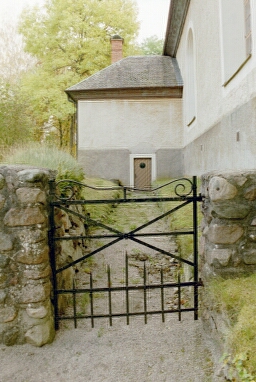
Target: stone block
x: 249, y: 254
x: 24, y: 217
x: 2, y: 182
x: 224, y: 234
x: 6, y: 242
x: 2, y: 201
x: 2, y: 296
x: 252, y: 234
x: 40, y: 335
x: 221, y: 189
x: 231, y: 210
x: 240, y: 180
x: 8, y: 314
x: 219, y: 257
x: 32, y: 175
x: 36, y: 272
x: 4, y: 261
x: 32, y: 293
x: 31, y: 236
x: 39, y: 312
x: 28, y: 195
x: 33, y: 254
x: 250, y: 193
x: 14, y: 280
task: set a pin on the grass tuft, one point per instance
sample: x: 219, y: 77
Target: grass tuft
x: 46, y: 157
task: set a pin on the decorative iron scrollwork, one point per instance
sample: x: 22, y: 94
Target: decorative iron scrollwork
x: 185, y: 188
x: 67, y: 189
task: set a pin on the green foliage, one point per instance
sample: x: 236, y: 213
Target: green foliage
x: 47, y: 157
x: 71, y: 41
x: 237, y: 298
x: 152, y: 46
x: 48, y: 104
x: 15, y: 126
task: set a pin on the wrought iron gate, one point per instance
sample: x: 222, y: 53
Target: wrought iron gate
x: 63, y: 197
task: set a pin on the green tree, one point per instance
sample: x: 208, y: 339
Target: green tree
x: 15, y: 123
x: 152, y: 46
x: 71, y: 41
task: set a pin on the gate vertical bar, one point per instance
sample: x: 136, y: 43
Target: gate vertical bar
x: 195, y: 235
x: 127, y: 288
x: 74, y: 304
x: 52, y: 253
x: 145, y: 294
x: 91, y: 300
x: 109, y: 297
x: 179, y: 297
x: 162, y: 294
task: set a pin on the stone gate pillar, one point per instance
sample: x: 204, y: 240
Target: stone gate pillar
x: 228, y: 246
x: 26, y: 313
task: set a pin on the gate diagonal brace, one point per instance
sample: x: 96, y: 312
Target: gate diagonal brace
x: 162, y: 251
x: 87, y: 218
x: 131, y: 236
x: 88, y: 255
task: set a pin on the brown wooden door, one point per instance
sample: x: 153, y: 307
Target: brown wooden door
x: 142, y: 173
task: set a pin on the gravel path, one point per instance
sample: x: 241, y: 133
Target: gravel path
x: 172, y: 351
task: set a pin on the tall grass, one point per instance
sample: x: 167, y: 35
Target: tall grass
x: 46, y: 157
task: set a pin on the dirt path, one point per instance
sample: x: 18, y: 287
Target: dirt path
x: 172, y: 351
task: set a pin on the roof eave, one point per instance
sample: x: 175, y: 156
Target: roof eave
x: 176, y: 20
x: 126, y: 93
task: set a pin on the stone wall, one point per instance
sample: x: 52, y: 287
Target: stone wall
x: 228, y: 245
x: 25, y: 275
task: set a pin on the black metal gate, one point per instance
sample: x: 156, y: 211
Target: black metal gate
x: 63, y: 196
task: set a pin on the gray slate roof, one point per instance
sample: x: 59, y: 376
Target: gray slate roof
x: 134, y: 72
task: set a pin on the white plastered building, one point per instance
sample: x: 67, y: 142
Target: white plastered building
x: 187, y: 112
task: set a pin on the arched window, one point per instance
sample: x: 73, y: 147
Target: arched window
x: 236, y: 35
x: 190, y: 84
